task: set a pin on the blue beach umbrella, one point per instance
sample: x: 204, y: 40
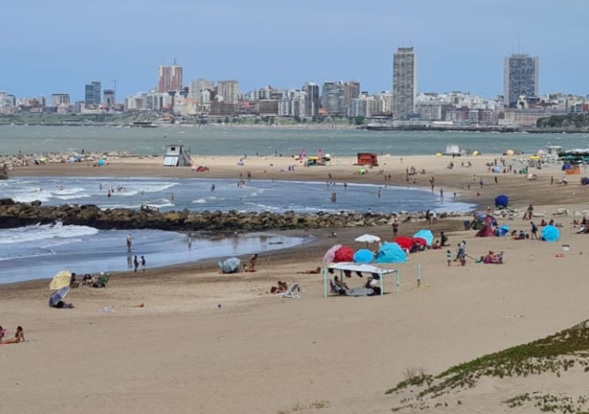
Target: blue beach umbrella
x: 58, y: 296
x: 363, y: 256
x: 550, y: 233
x: 426, y: 235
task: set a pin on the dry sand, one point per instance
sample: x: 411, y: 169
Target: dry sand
x: 257, y: 353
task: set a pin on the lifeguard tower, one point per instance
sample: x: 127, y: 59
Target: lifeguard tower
x: 176, y: 156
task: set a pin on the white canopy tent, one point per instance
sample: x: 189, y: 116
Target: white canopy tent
x: 355, y: 267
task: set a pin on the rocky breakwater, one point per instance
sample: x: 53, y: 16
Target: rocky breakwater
x: 13, y: 214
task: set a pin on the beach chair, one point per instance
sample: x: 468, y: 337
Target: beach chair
x: 292, y: 292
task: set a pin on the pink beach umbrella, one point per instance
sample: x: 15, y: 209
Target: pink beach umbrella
x: 330, y: 254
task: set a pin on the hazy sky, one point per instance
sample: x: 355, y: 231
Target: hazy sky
x: 58, y: 46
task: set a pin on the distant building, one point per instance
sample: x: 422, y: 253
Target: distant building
x: 332, y: 98
x: 228, y: 91
x: 312, y: 99
x: 404, y: 83
x: 197, y: 87
x: 170, y: 78
x: 351, y: 91
x: 92, y: 93
x: 60, y: 99
x: 520, y: 78
x: 109, y: 98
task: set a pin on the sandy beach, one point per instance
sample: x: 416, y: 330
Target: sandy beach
x: 187, y: 339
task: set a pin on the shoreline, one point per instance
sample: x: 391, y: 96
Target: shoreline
x: 191, y: 325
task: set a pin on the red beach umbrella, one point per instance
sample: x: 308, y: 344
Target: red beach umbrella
x: 344, y: 254
x: 403, y: 241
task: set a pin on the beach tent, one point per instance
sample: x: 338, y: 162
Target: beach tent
x: 501, y: 201
x: 585, y: 180
x: 403, y: 241
x: 550, y: 233
x: 101, y: 162
x: 427, y: 235
x: 502, y: 231
x: 344, y: 254
x: 390, y: 253
x: 230, y: 265
x: 347, y: 267
x: 363, y: 256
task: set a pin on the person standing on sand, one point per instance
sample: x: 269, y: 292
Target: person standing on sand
x: 534, y: 231
x: 135, y: 263
x: 443, y: 239
x: 143, y: 263
x: 395, y: 226
x: 449, y: 257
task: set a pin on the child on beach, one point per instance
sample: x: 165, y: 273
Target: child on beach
x: 18, y: 337
x: 449, y: 257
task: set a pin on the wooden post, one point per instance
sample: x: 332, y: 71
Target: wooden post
x: 418, y: 275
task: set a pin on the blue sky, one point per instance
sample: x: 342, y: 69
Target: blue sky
x: 58, y: 46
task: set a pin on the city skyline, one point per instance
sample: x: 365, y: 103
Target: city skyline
x: 461, y: 46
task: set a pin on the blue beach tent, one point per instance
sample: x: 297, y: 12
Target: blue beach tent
x: 363, y: 256
x: 501, y: 201
x: 502, y: 230
x: 390, y: 253
x: 427, y: 235
x: 550, y: 233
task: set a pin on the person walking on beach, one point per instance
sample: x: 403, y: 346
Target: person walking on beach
x: 129, y: 242
x: 135, y: 263
x: 449, y: 257
x: 395, y: 226
x: 143, y: 263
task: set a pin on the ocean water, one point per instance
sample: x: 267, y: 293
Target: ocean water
x: 238, y: 141
x: 197, y: 195
x: 40, y: 251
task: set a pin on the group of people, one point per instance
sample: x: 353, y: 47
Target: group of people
x: 19, y: 336
x: 136, y: 260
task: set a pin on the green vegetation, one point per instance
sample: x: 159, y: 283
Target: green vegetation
x: 569, y: 121
x: 554, y: 354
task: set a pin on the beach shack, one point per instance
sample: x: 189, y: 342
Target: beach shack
x: 453, y: 149
x: 367, y: 158
x: 176, y: 156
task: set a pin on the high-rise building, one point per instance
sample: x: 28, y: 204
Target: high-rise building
x: 60, y: 99
x: 312, y: 99
x: 170, y: 78
x: 351, y: 91
x: 228, y: 91
x: 198, y: 86
x: 332, y: 98
x: 92, y: 93
x: 109, y: 98
x: 520, y: 78
x: 404, y: 83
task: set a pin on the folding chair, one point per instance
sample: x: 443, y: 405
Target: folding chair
x: 290, y: 292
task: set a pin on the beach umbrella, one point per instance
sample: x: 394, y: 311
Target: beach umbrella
x: 330, y: 254
x: 363, y: 256
x: 509, y: 152
x: 403, y: 241
x: 58, y: 296
x: 367, y: 238
x: 344, y: 254
x: 550, y: 233
x: 501, y: 201
x: 60, y: 280
x: 427, y: 235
